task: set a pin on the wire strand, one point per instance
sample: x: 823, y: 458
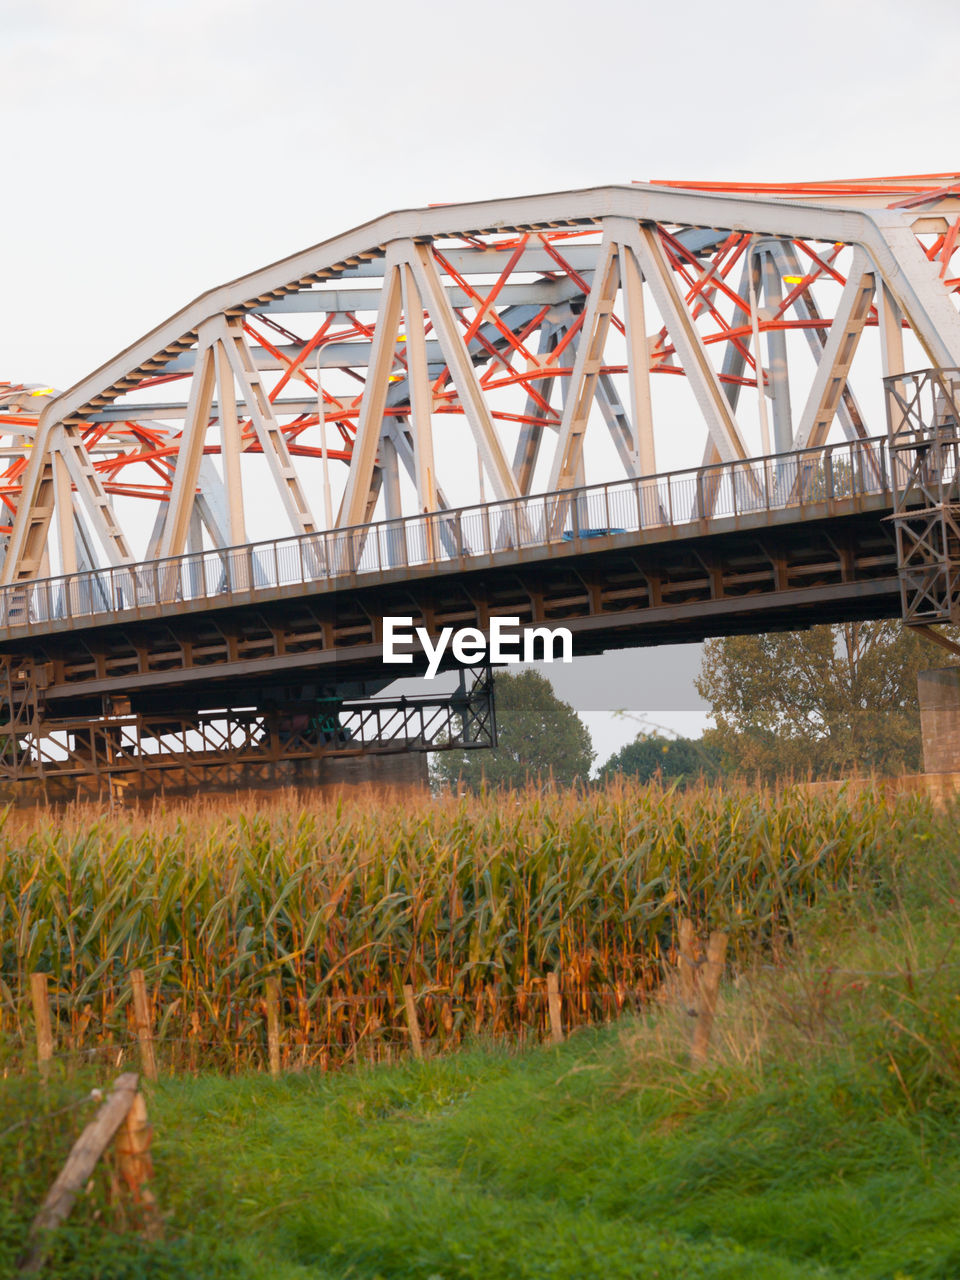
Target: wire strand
x: 93, y: 1096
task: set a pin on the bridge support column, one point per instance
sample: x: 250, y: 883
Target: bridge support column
x: 939, y: 694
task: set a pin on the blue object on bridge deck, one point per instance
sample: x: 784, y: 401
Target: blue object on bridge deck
x: 569, y: 535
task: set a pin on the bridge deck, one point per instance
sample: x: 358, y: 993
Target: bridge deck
x: 830, y: 482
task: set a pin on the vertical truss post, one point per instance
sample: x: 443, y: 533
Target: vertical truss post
x: 266, y: 428
x: 427, y: 276
x: 66, y: 522
x: 924, y: 438
x: 689, y: 345
x: 734, y: 357
x: 93, y: 496
x: 390, y: 474
x: 891, y: 333
x: 731, y: 372
x: 531, y: 433
x: 638, y: 361
x: 586, y: 366
x: 230, y: 449
x: 187, y: 473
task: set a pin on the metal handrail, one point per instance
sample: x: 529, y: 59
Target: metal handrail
x: 459, y: 536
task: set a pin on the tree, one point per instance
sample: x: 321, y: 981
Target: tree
x: 675, y: 759
x: 538, y: 735
x: 826, y: 701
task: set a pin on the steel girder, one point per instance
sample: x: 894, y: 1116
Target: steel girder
x: 839, y: 563
x: 339, y: 373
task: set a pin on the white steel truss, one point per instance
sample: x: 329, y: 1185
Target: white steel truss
x: 418, y: 356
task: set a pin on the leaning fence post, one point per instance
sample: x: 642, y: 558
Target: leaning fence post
x: 709, y: 988
x: 273, y: 1023
x: 144, y: 1021
x: 413, y: 1024
x: 40, y: 999
x: 553, y: 1005
x: 86, y: 1151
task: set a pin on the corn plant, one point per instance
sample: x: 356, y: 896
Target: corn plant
x: 471, y: 900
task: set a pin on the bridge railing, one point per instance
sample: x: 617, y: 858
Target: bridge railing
x: 674, y: 500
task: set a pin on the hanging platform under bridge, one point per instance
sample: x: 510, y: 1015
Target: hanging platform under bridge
x: 285, y: 741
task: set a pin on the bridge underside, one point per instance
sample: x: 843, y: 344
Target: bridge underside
x: 674, y: 592
x: 241, y: 692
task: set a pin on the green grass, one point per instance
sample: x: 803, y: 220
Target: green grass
x: 820, y: 1140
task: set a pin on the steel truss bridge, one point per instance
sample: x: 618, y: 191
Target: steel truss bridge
x: 632, y: 411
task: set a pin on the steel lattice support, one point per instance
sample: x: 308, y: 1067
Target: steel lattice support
x: 924, y: 435
x: 132, y: 746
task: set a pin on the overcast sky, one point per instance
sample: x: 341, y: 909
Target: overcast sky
x: 152, y: 151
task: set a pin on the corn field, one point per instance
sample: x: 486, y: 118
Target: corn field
x: 472, y: 901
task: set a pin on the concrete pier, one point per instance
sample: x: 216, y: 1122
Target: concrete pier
x: 939, y: 694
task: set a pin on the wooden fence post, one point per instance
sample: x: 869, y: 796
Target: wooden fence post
x: 413, y: 1024
x: 86, y: 1151
x: 136, y: 1167
x: 40, y: 999
x: 553, y: 1005
x: 273, y: 1024
x: 689, y: 981
x: 144, y: 1021
x: 709, y: 988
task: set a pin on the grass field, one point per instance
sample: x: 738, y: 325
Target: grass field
x: 820, y: 1140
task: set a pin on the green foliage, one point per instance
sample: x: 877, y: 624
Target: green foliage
x: 823, y: 702
x: 538, y: 737
x: 795, y: 1153
x: 673, y: 759
x: 39, y: 1123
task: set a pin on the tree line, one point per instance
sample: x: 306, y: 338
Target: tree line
x: 826, y: 702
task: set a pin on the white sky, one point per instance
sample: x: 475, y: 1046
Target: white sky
x: 152, y: 151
